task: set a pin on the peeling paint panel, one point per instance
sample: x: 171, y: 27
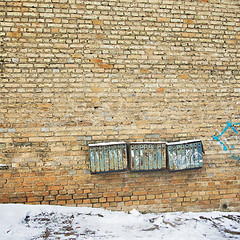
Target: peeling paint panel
x: 147, y: 156
x: 184, y: 155
x: 109, y: 157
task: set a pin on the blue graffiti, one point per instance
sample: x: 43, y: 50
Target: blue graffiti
x: 230, y: 125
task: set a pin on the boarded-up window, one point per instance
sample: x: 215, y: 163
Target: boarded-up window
x: 184, y: 155
x: 108, y: 157
x: 147, y: 156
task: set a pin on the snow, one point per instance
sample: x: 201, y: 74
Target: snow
x: 147, y: 142
x: 184, y: 142
x: 106, y: 144
x: 168, y: 143
x: 38, y: 222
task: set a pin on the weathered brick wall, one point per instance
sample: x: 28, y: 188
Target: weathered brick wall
x: 75, y: 72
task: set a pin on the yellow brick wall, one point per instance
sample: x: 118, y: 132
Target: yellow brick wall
x: 76, y: 72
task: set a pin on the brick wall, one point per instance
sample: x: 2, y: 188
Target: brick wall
x: 76, y: 72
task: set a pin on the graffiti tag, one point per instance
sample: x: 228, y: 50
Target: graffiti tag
x: 229, y: 139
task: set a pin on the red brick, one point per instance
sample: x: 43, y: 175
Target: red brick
x: 105, y: 65
x: 140, y: 193
x: 206, y: 202
x: 102, y: 200
x: 34, y: 199
x: 126, y: 189
x: 18, y: 200
x: 61, y: 202
x: 96, y: 61
x: 110, y: 199
x: 94, y: 200
x: 65, y: 197
x: 143, y: 70
x: 86, y: 201
x: 105, y: 205
x: 55, y: 187
x: 78, y: 201
x: 118, y: 199
x: 113, y: 194
x: 125, y: 199
x: 128, y: 203
x: 160, y: 90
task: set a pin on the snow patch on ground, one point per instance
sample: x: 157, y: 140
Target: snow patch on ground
x: 28, y: 222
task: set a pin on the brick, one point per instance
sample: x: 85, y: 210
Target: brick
x: 77, y: 55
x: 87, y: 73
x: 44, y: 105
x: 138, y: 193
x: 78, y: 201
x: 142, y: 197
x: 55, y: 30
x: 128, y: 203
x: 97, y: 22
x: 188, y: 34
x: 189, y: 21
x: 166, y: 195
x: 86, y: 201
x: 96, y: 61
x: 151, y: 197
x: 63, y: 197
x: 134, y: 198
x: 99, y: 36
x: 94, y: 200
x: 126, y: 189
x: 175, y: 181
x: 49, y: 198
x: 113, y: 194
x: 49, y: 179
x: 105, y: 205
x: 102, y: 200
x: 183, y: 76
x: 160, y: 90
x: 207, y: 202
x: 86, y: 190
x: 105, y: 65
x: 97, y: 89
x: 163, y: 19
x: 55, y: 187
x: 14, y: 34
x: 143, y: 71
x: 34, y: 199
x: 125, y: 199
x: 61, y: 202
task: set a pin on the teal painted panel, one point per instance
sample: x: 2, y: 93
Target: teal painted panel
x: 147, y: 156
x: 141, y: 156
x: 184, y: 155
x: 200, y: 153
x: 108, y: 157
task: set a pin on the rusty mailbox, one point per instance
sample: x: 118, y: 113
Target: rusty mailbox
x: 147, y: 156
x: 108, y: 157
x: 184, y: 155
